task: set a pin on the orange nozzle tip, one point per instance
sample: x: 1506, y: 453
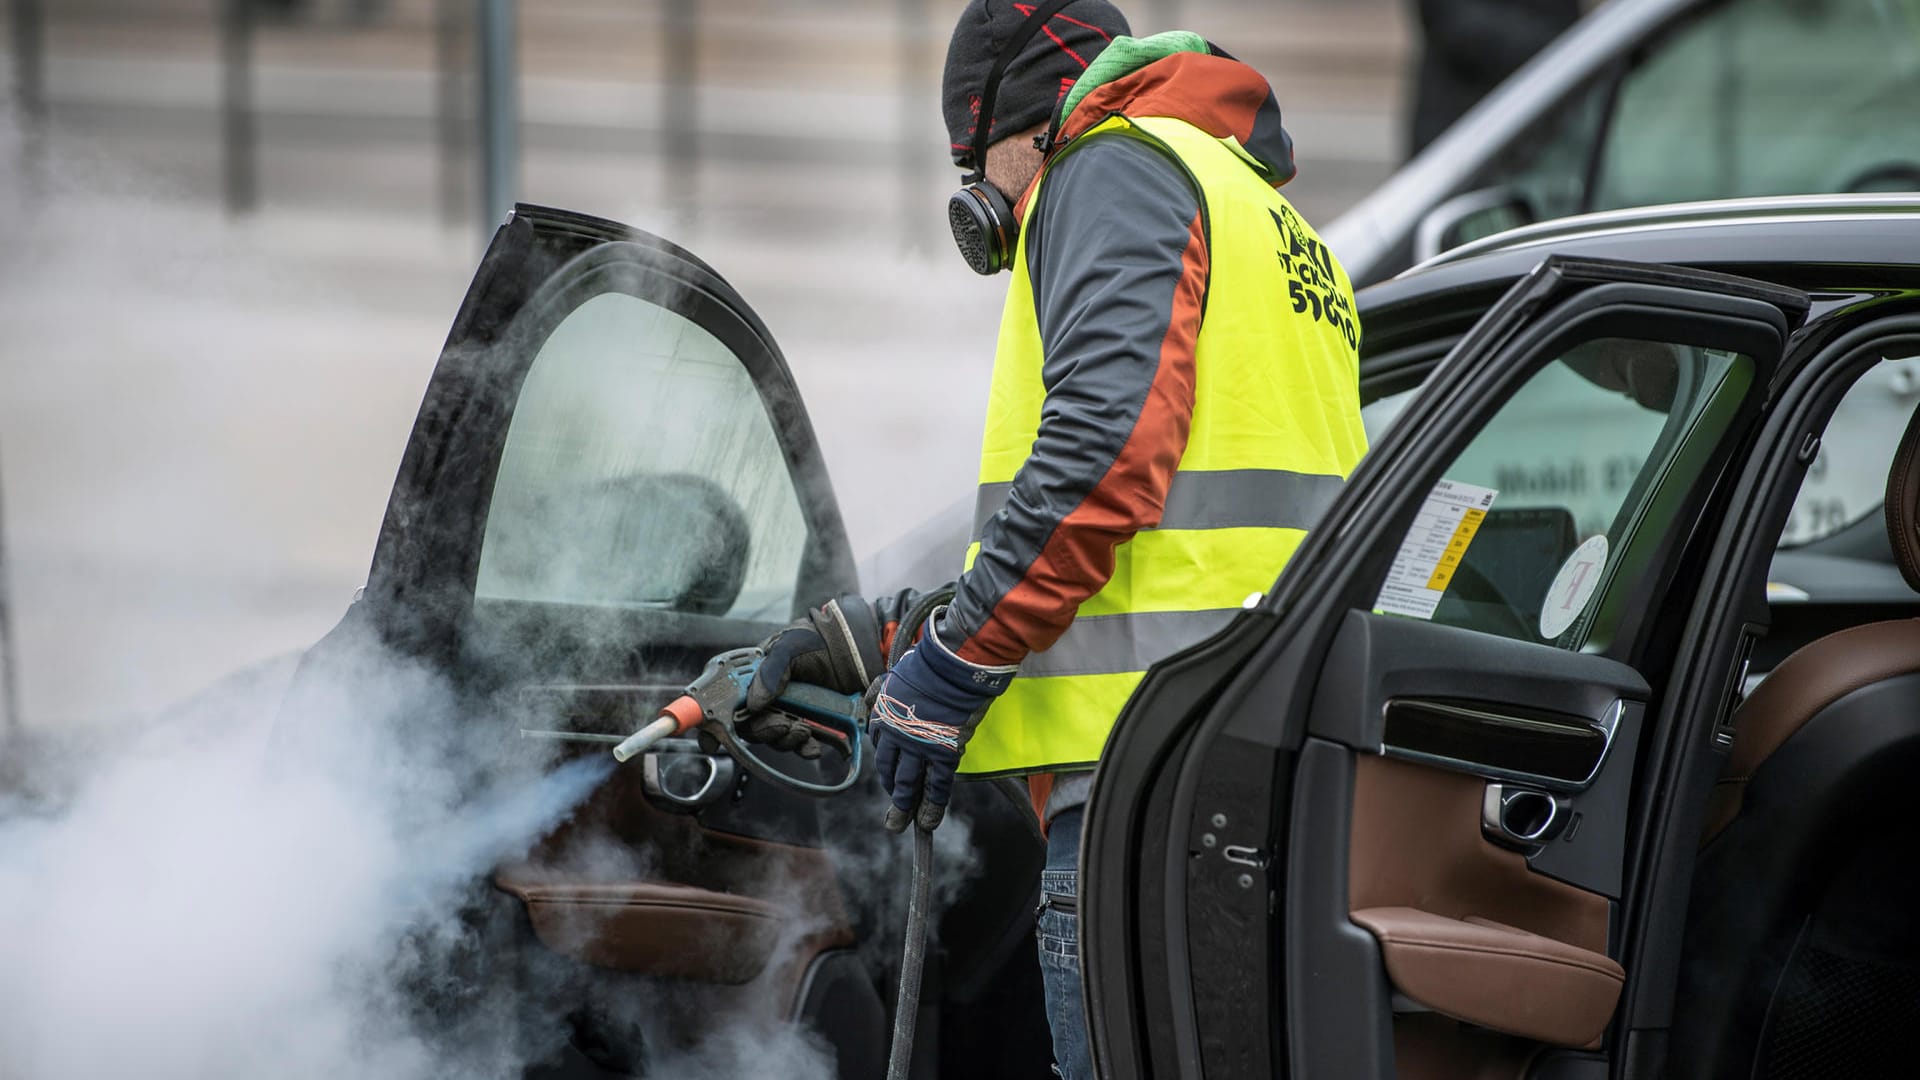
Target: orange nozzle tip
x: 685, y: 712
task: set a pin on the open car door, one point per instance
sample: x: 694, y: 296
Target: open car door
x: 610, y: 480
x: 1384, y: 823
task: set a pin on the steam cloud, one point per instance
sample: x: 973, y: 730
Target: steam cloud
x: 248, y: 886
x: 190, y: 906
x: 254, y: 885
x: 214, y: 899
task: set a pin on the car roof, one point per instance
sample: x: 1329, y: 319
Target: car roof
x: 1809, y: 240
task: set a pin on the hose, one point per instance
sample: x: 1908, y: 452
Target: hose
x: 906, y: 1004
x: 916, y: 616
x: 906, y: 1008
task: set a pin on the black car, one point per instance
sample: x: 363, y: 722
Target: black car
x: 1470, y: 791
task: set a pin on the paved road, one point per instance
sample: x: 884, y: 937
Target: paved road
x: 200, y: 417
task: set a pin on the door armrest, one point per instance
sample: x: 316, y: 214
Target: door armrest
x: 1496, y: 976
x: 652, y: 927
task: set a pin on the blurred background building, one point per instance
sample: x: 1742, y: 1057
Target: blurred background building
x: 234, y: 235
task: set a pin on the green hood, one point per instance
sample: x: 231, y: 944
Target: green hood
x: 1178, y: 75
x: 1126, y: 55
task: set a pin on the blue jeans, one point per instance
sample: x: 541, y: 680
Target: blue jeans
x: 1059, y: 934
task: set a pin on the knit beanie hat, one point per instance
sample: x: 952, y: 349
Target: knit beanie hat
x: 1035, y: 79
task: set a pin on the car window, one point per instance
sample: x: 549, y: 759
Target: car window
x: 1548, y: 166
x: 1750, y: 97
x: 1531, y: 518
x: 1769, y: 97
x: 1848, y: 478
x: 641, y: 469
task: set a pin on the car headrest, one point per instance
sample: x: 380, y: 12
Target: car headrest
x: 1903, y: 503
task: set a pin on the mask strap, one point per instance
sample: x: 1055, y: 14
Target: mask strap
x: 983, y: 121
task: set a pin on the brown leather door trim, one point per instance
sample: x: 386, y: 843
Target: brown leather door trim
x: 1496, y: 976
x: 778, y: 905
x: 654, y: 928
x: 1416, y: 843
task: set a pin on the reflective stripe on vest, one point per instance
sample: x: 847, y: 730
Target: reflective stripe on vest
x: 1275, y: 432
x: 1228, y: 499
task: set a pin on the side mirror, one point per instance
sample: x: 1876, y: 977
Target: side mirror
x: 1469, y: 217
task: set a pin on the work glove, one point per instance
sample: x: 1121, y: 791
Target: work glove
x: 922, y: 715
x: 837, y: 645
x: 782, y: 731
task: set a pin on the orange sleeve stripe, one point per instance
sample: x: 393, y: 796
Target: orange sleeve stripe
x: 1077, y: 560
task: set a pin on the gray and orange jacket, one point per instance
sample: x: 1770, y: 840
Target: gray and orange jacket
x: 1174, y: 398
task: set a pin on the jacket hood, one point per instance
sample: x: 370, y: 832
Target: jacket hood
x: 1180, y: 75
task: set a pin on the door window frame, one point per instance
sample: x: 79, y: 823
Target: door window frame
x: 427, y: 557
x: 1688, y: 735
x: 1615, y: 319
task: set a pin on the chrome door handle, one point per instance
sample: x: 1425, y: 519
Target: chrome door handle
x: 1520, y: 816
x: 685, y: 780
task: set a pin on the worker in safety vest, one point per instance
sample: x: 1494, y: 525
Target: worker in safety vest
x: 1174, y: 402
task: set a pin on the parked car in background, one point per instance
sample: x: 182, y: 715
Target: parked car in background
x: 1661, y: 101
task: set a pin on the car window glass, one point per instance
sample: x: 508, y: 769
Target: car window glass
x: 1565, y: 471
x: 1847, y: 480
x: 641, y: 469
x: 1378, y: 415
x: 1769, y: 97
x: 1753, y: 97
x: 1546, y: 168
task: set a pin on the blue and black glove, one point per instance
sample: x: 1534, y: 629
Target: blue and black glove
x: 923, y: 713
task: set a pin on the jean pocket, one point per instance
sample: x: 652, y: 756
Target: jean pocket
x: 1059, y: 934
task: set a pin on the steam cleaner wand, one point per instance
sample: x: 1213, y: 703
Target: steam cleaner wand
x: 716, y: 700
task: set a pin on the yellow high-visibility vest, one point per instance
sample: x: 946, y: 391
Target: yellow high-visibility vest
x: 1275, y: 432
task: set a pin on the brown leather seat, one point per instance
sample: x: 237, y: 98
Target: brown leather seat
x: 1824, y: 757
x: 1813, y: 678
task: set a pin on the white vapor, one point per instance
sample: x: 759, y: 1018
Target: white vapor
x: 194, y: 907
x: 199, y: 434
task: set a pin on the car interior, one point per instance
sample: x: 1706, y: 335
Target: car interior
x: 1801, y: 959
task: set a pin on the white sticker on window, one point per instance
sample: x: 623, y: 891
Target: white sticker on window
x: 1573, y: 586
x: 1433, y: 548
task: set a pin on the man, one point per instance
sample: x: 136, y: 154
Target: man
x: 1174, y: 401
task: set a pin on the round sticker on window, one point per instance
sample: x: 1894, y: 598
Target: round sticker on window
x: 1573, y: 586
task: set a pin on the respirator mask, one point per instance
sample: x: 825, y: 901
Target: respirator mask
x: 981, y: 216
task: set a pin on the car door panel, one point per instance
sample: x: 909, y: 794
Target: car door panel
x: 1320, y: 768
x: 1529, y: 718
x: 1496, y: 976
x: 612, y: 478
x: 689, y: 903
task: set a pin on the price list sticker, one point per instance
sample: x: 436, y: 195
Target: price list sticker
x: 1433, y: 548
